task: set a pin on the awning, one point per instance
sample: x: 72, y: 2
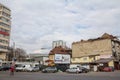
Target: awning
x: 103, y: 60
x: 49, y: 60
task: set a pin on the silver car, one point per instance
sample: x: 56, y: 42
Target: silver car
x: 74, y: 70
x: 33, y: 69
x: 50, y: 70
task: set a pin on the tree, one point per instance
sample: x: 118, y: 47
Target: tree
x: 20, y: 54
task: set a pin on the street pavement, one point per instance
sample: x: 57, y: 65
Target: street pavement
x: 4, y: 75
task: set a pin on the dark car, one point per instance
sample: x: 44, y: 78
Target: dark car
x: 4, y: 68
x: 84, y: 70
x: 1, y: 68
x: 50, y: 70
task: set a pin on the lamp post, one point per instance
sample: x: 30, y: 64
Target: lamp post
x: 14, y: 56
x: 13, y: 49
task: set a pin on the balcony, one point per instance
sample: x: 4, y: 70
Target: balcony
x: 3, y: 50
x: 4, y: 33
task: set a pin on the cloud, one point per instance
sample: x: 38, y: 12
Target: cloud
x: 35, y: 24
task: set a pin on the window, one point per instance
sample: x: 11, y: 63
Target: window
x: 3, y: 47
x: 3, y: 24
x: 4, y: 41
x: 0, y: 7
x: 5, y: 14
x: 4, y: 19
x: 1, y: 35
x: 6, y: 10
x: 4, y: 30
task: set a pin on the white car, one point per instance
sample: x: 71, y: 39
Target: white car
x: 19, y: 68
x: 74, y: 70
x: 22, y: 67
x: 32, y: 69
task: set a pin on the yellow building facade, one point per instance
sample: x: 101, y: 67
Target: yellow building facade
x: 92, y: 50
x: 87, y: 59
x: 51, y: 57
x: 89, y: 48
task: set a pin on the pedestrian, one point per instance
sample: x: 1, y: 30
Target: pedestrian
x: 12, y: 70
x: 78, y: 70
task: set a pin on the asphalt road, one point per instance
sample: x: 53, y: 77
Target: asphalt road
x: 4, y: 75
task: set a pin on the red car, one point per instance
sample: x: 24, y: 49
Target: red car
x: 107, y: 69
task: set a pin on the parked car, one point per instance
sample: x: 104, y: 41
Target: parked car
x: 19, y: 67
x: 1, y: 68
x: 26, y: 67
x: 84, y: 70
x: 50, y: 69
x: 74, y: 70
x: 108, y: 69
x: 36, y: 68
x: 33, y: 69
x: 4, y: 68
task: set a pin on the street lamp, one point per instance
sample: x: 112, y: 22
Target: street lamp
x: 13, y: 49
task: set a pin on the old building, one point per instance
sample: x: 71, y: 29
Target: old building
x: 58, y: 50
x: 104, y: 50
x: 5, y: 27
x: 60, y: 57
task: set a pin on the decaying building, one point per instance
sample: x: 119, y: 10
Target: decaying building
x: 104, y: 50
x: 60, y: 57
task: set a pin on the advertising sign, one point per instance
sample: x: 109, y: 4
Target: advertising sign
x: 62, y: 58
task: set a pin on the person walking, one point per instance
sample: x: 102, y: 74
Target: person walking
x: 12, y: 70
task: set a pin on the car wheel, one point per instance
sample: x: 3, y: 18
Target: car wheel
x: 54, y: 71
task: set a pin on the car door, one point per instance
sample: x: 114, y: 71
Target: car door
x: 72, y: 70
x: 52, y: 69
x: 48, y: 69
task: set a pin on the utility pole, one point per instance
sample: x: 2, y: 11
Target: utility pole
x: 14, y: 56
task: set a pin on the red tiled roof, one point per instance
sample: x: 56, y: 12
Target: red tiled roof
x: 59, y: 50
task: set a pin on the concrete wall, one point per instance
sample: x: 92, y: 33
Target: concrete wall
x: 111, y: 63
x: 86, y: 48
x: 87, y: 59
x: 2, y: 56
x: 51, y: 57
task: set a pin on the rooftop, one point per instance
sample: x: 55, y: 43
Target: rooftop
x: 104, y: 36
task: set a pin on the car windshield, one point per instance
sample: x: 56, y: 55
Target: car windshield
x: 36, y: 67
x: 50, y: 68
x: 73, y: 68
x: 19, y: 65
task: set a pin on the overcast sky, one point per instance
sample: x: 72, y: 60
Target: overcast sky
x: 36, y: 23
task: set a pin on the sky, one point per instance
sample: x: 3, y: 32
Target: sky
x: 36, y: 23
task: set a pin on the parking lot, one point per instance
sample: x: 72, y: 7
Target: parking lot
x: 4, y: 75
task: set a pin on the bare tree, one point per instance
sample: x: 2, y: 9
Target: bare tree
x: 20, y: 54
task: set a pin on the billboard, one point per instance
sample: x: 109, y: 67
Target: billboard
x: 62, y: 59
